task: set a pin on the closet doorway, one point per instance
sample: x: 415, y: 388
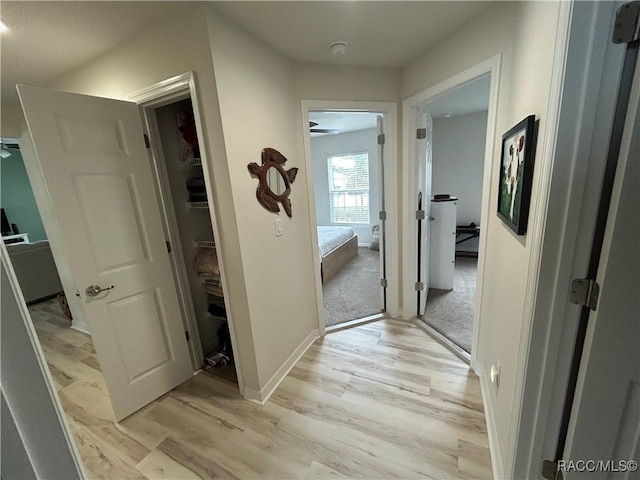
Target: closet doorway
x: 347, y: 155
x: 138, y: 271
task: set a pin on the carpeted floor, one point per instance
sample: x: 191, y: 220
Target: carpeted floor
x: 355, y: 291
x: 451, y: 312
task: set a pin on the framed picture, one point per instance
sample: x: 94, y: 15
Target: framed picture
x: 516, y: 174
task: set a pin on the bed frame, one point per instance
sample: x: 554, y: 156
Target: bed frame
x: 337, y: 258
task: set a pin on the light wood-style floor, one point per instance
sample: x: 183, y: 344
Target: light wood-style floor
x: 382, y: 400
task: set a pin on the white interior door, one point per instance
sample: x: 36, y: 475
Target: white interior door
x: 95, y: 167
x: 382, y: 220
x: 605, y: 421
x: 423, y: 177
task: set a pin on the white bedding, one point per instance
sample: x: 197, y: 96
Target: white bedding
x: 332, y: 237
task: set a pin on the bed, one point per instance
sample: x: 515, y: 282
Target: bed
x: 338, y: 245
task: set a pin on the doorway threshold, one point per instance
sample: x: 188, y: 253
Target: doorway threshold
x: 355, y: 323
x: 432, y: 332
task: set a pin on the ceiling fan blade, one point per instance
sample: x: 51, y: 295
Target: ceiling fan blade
x: 332, y: 131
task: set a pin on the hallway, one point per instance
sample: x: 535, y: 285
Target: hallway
x: 382, y: 400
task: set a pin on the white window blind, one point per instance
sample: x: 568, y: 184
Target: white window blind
x: 349, y: 188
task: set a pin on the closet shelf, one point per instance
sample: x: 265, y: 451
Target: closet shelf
x: 204, y: 243
x: 197, y: 205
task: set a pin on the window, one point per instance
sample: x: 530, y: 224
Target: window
x: 349, y: 188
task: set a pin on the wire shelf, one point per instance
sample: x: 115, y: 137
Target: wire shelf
x: 204, y: 243
x: 197, y: 205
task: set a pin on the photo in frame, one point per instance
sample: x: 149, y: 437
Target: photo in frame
x: 516, y: 174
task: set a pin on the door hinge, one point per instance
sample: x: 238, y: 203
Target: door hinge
x: 168, y: 246
x: 421, y: 133
x: 383, y: 282
x: 382, y: 215
x: 550, y: 470
x: 584, y: 292
x: 420, y: 215
x: 627, y: 25
x: 187, y: 335
x: 419, y: 286
x: 382, y: 139
x: 147, y: 143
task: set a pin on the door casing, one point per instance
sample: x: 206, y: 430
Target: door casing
x: 409, y: 188
x: 149, y: 99
x: 389, y: 112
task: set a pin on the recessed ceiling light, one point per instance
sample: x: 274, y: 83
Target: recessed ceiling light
x: 3, y: 26
x: 446, y: 115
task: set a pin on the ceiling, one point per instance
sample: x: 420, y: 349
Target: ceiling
x: 47, y: 39
x: 470, y: 98
x: 343, y: 121
x: 378, y: 33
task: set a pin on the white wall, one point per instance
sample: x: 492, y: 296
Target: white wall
x: 458, y: 165
x: 524, y: 33
x: 348, y: 142
x: 255, y: 86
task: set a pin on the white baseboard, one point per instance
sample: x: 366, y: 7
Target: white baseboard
x: 261, y: 397
x: 494, y: 446
x: 81, y: 327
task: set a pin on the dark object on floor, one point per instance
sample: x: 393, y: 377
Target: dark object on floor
x: 224, y: 355
x: 64, y: 305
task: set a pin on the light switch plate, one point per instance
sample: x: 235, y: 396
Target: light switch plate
x: 278, y: 227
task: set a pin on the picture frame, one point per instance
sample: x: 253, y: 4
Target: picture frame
x: 516, y: 174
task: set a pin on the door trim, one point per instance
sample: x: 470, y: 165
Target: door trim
x: 586, y: 66
x: 148, y: 99
x: 389, y: 110
x: 491, y: 67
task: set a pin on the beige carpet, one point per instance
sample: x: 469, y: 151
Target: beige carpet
x: 355, y: 291
x: 451, y: 312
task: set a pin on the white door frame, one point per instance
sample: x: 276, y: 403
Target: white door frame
x: 389, y: 110
x: 490, y: 66
x: 589, y: 64
x: 157, y: 95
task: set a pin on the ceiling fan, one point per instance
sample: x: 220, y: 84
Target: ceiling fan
x: 331, y: 131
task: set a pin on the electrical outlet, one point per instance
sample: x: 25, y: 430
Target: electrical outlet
x: 278, y: 227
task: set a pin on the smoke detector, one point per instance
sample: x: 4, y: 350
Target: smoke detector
x: 338, y: 48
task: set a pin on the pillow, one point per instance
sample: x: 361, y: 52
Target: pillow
x: 375, y: 238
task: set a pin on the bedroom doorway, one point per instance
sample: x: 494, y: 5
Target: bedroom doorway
x: 458, y: 139
x: 346, y: 159
x: 443, y: 263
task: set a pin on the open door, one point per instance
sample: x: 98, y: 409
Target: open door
x: 92, y: 159
x: 604, y: 421
x: 383, y: 211
x: 424, y: 151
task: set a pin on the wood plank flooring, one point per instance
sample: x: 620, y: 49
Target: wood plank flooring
x: 382, y: 400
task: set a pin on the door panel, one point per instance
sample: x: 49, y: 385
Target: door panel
x: 605, y: 418
x: 382, y: 223
x: 424, y: 164
x: 95, y: 167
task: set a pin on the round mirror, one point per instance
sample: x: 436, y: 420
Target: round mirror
x: 275, y: 181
